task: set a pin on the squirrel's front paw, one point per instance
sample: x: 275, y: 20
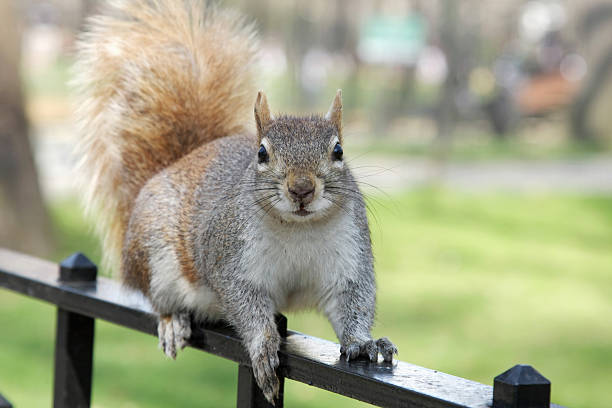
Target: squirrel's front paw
x: 173, y: 331
x: 265, y: 362
x: 370, y: 349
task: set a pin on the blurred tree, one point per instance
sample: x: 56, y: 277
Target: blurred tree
x: 597, y: 19
x: 24, y: 222
x: 298, y: 34
x: 446, y: 115
x: 459, y: 41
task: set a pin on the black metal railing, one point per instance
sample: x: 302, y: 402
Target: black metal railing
x: 81, y: 298
x: 4, y: 403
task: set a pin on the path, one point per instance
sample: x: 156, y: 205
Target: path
x: 391, y: 174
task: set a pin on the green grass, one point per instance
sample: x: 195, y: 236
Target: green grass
x: 481, y: 147
x: 469, y: 284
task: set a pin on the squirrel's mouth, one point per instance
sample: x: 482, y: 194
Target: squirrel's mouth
x: 302, y: 211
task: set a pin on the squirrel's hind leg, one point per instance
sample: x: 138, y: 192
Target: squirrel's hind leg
x: 174, y: 332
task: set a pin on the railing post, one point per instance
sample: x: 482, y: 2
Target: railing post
x: 74, y: 340
x: 522, y: 386
x: 249, y: 394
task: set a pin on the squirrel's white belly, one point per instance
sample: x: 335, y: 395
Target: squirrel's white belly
x: 301, y: 265
x: 173, y: 293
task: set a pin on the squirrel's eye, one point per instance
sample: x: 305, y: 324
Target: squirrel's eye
x: 337, y: 152
x: 262, y: 154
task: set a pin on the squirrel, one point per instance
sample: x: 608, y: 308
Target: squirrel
x: 212, y: 220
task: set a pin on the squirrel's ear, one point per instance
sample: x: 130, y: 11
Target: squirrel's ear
x: 262, y: 113
x: 334, y: 115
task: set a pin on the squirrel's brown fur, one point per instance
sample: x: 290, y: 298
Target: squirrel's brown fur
x: 218, y: 222
x: 151, y: 89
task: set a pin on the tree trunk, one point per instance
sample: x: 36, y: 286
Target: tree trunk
x: 446, y: 114
x: 24, y: 222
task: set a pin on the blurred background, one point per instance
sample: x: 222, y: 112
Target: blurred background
x: 481, y: 134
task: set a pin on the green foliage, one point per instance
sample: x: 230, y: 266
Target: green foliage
x: 469, y: 284
x: 51, y: 81
x: 74, y: 232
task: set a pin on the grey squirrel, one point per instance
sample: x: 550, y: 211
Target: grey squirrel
x: 209, y: 219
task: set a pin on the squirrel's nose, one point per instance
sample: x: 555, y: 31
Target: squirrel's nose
x: 303, y: 192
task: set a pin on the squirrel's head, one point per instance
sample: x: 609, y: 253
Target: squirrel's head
x: 300, y: 174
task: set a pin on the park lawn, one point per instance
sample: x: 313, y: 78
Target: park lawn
x: 469, y: 284
x: 476, y: 146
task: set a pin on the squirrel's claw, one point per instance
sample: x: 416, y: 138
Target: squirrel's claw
x: 386, y: 348
x: 369, y: 349
x: 351, y: 351
x: 264, y: 371
x: 174, y: 332
x: 265, y: 363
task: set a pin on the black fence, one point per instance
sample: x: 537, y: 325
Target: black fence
x: 81, y: 298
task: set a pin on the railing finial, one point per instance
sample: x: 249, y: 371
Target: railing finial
x: 522, y: 386
x: 4, y: 402
x: 77, y: 268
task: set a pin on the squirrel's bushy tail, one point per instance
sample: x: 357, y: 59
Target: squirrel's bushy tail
x: 154, y: 79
